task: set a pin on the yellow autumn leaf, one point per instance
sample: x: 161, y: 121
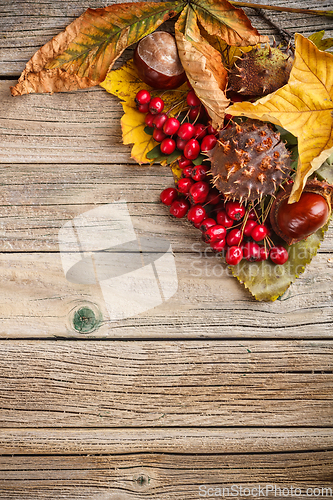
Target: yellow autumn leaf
x: 132, y: 127
x: 125, y: 84
x: 304, y: 107
x: 230, y: 53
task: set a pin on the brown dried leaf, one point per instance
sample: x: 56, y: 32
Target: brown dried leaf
x: 85, y: 51
x: 203, y: 66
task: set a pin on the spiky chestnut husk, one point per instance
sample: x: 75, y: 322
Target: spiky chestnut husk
x: 260, y: 71
x: 296, y: 221
x: 249, y: 161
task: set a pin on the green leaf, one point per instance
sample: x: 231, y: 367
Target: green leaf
x: 154, y: 153
x: 267, y: 281
x: 292, y: 145
x: 317, y: 39
x: 326, y: 170
x: 149, y: 130
x: 287, y: 136
x: 173, y: 157
x: 199, y: 160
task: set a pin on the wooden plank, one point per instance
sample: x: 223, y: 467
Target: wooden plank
x: 183, y: 440
x: 25, y: 26
x: 158, y: 384
x: 75, y: 127
x: 36, y: 200
x: 165, y: 477
x: 38, y: 301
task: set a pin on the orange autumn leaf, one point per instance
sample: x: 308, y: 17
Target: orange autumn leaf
x: 86, y: 50
x: 221, y: 19
x: 304, y: 107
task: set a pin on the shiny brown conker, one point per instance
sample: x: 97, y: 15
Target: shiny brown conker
x: 296, y: 221
x: 157, y: 62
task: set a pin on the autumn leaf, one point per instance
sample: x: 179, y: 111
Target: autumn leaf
x: 268, y: 281
x: 132, y: 127
x: 125, y: 83
x: 223, y: 20
x: 321, y: 42
x: 86, y: 50
x: 304, y: 107
x: 229, y: 53
x: 203, y: 66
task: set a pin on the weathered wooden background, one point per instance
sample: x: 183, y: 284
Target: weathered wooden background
x: 210, y: 388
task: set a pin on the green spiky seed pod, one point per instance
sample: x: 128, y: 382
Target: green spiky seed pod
x: 249, y: 161
x: 260, y: 71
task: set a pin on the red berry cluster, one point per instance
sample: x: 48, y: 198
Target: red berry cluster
x: 226, y: 226
x: 189, y: 137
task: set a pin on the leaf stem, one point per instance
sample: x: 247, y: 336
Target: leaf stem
x: 327, y: 13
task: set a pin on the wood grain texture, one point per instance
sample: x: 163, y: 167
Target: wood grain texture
x: 73, y: 127
x: 162, y: 477
x: 37, y: 199
x: 37, y: 301
x: 105, y: 419
x: 185, y: 440
x: 158, y: 384
x: 29, y: 25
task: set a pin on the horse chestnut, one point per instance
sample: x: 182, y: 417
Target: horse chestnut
x: 296, y: 221
x: 157, y: 62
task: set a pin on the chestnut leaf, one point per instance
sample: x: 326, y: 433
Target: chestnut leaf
x: 230, y: 24
x: 268, y: 281
x: 82, y: 54
x: 203, y: 66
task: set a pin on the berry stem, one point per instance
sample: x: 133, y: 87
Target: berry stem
x: 267, y: 210
x: 244, y: 221
x: 269, y: 242
x: 175, y: 106
x: 186, y: 116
